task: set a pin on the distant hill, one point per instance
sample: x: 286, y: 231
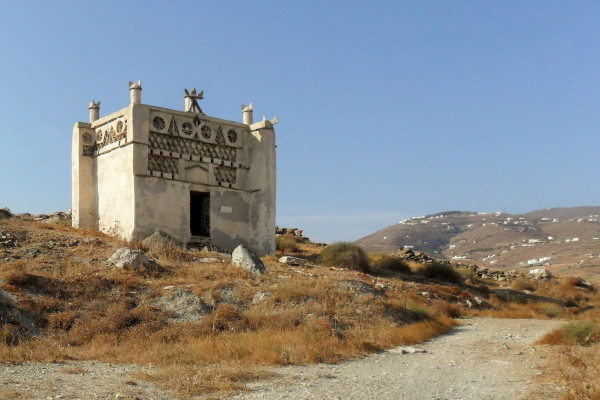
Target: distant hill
x: 560, y: 238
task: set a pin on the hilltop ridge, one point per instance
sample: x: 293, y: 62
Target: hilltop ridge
x: 563, y: 239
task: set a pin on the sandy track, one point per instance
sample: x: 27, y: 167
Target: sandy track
x: 482, y: 359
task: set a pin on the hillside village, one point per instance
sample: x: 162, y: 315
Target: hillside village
x: 564, y: 244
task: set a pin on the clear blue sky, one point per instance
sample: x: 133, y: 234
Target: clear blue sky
x: 388, y: 109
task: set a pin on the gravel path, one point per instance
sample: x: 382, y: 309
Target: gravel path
x: 83, y: 380
x: 482, y: 359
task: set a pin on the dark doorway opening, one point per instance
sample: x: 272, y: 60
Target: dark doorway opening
x: 200, y: 214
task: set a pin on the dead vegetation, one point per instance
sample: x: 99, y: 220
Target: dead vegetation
x: 59, y: 300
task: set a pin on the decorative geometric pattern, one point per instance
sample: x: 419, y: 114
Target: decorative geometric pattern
x: 109, y: 136
x: 88, y: 150
x: 106, y: 134
x: 232, y: 136
x: 225, y: 174
x: 187, y: 128
x: 191, y: 147
x: 87, y: 138
x: 173, y: 130
x: 163, y: 164
x: 158, y: 123
x: 206, y: 132
x: 175, y: 137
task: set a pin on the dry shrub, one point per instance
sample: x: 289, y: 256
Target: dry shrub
x: 18, y: 278
x: 225, y: 318
x: 395, y: 264
x: 286, y: 243
x: 12, y: 334
x: 345, y: 255
x: 278, y: 320
x: 522, y: 284
x: 47, y: 304
x: 441, y: 272
x: 571, y: 281
x: 447, y: 309
x: 62, y: 320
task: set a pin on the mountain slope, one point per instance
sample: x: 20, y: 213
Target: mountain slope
x: 562, y: 238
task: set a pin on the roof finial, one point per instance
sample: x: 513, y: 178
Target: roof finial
x: 191, y: 100
x: 135, y: 92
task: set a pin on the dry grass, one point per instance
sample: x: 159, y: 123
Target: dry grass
x: 85, y: 309
x: 576, y: 344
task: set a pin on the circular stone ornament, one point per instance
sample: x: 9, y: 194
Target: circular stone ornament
x: 158, y: 123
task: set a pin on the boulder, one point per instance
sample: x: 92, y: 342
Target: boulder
x: 159, y: 240
x: 54, y: 218
x: 184, y: 305
x: 134, y: 260
x: 246, y: 259
x: 292, y: 260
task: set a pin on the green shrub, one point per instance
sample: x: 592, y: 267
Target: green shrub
x: 583, y: 333
x: 550, y: 309
x: 345, y: 255
x: 441, y: 272
x: 396, y: 264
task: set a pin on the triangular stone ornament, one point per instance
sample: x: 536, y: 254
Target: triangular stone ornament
x: 173, y: 130
x: 220, y: 139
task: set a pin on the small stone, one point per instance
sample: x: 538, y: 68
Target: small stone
x: 208, y: 260
x: 292, y: 260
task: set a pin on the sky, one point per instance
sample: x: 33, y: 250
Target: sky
x: 387, y: 109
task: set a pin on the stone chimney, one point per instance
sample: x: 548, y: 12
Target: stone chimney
x: 94, y: 111
x: 247, y: 117
x: 135, y: 92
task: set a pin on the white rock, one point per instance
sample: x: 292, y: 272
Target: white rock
x: 133, y: 260
x: 246, y: 259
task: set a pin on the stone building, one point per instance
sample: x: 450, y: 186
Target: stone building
x: 202, y: 179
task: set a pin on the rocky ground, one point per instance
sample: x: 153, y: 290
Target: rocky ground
x: 481, y: 359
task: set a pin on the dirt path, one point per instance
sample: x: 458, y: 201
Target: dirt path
x: 482, y: 359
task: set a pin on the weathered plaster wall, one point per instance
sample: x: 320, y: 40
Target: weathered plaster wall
x: 115, y: 194
x: 262, y: 178
x: 161, y: 205
x: 229, y: 210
